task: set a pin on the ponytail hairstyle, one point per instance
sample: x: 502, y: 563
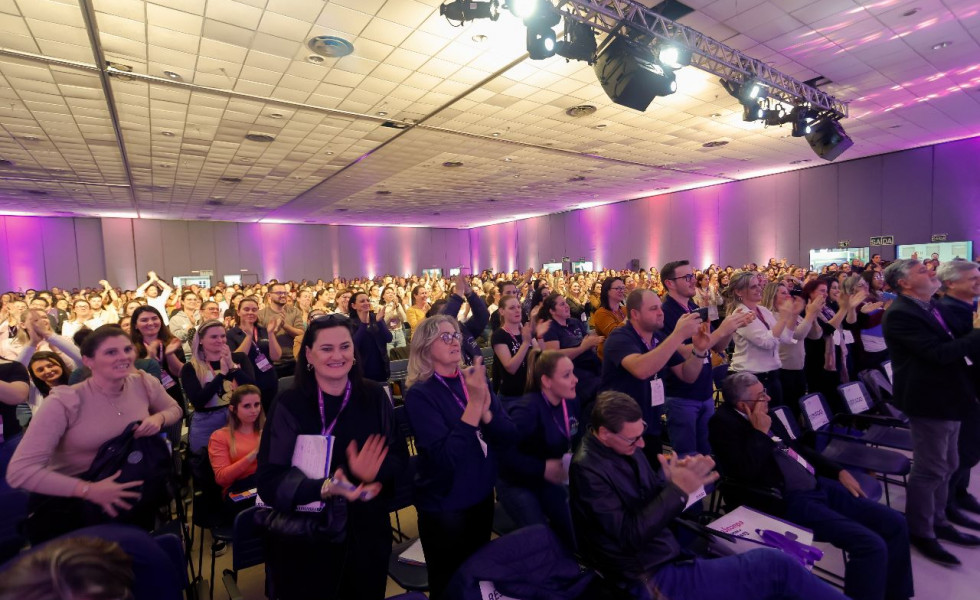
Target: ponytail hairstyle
x: 540, y: 363
x: 237, y: 395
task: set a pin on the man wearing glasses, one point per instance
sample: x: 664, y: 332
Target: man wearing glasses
x: 690, y: 405
x: 817, y: 493
x: 291, y: 326
x: 622, y: 511
x: 638, y: 354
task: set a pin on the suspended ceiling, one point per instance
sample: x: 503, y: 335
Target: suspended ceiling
x: 173, y: 146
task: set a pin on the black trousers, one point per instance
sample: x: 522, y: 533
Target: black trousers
x: 794, y: 388
x: 450, y: 537
x: 969, y: 452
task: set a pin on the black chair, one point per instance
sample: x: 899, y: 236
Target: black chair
x: 286, y: 382
x: 247, y: 550
x: 877, y: 430
x: 503, y: 523
x: 843, y: 449
x: 886, y: 368
x: 410, y: 576
x: 208, y: 512
x: 399, y: 373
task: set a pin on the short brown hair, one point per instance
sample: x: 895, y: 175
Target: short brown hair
x: 612, y: 410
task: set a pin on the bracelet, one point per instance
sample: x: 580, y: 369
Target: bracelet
x: 325, y: 488
x: 695, y: 353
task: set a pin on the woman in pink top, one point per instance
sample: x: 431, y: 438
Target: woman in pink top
x: 74, y: 421
x: 233, y: 449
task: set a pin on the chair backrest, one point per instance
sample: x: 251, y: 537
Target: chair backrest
x: 171, y: 544
x: 877, y: 384
x: 404, y: 492
x: 487, y: 357
x: 856, y: 398
x: 787, y: 420
x: 248, y: 545
x: 286, y: 383
x: 816, y: 414
x: 399, y: 369
x: 886, y: 367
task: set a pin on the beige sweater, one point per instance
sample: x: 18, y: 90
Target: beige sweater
x: 73, y: 422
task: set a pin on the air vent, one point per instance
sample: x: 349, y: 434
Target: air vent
x: 577, y: 178
x: 395, y: 125
x: 582, y: 110
x: 37, y: 192
x: 231, y: 179
x: 383, y: 192
x: 330, y: 46
x: 260, y: 137
x: 452, y: 164
x: 215, y: 202
x: 340, y: 210
x: 715, y: 144
x: 6, y: 163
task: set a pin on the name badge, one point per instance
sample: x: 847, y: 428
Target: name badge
x: 657, y: 395
x: 262, y: 362
x: 969, y: 362
x: 167, y: 381
x: 566, y: 463
x: 483, y: 445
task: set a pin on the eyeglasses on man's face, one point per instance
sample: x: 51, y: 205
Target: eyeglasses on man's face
x: 632, y: 441
x: 688, y: 278
x: 449, y: 338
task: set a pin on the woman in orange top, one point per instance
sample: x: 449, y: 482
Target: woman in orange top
x: 233, y: 448
x: 611, y: 313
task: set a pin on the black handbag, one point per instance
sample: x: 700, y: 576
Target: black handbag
x: 147, y: 459
x: 281, y: 519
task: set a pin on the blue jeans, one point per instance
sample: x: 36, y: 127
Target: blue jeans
x: 875, y: 537
x: 545, y: 504
x: 203, y: 424
x: 687, y: 424
x: 764, y: 574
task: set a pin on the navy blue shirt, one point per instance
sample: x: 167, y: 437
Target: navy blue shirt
x: 453, y: 472
x: 622, y: 342
x: 541, y: 435
x: 570, y: 335
x: 674, y: 386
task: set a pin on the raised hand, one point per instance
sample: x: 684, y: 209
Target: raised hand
x: 173, y: 346
x: 759, y: 417
x: 690, y: 473
x: 526, y: 333
x: 365, y: 463
x: 688, y: 325
x: 815, y: 305
x: 702, y: 338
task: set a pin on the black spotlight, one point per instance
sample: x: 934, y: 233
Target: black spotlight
x: 461, y: 10
x: 540, y: 42
x: 579, y: 42
x: 749, y: 92
x: 801, y: 118
x: 542, y: 11
x: 753, y: 112
x: 631, y: 77
x: 827, y: 138
x: 674, y: 56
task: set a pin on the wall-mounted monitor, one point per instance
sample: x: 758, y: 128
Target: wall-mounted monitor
x: 551, y: 267
x: 825, y: 256
x: 582, y: 266
x: 454, y: 271
x: 945, y: 250
x: 189, y: 280
x: 233, y: 279
x: 432, y: 272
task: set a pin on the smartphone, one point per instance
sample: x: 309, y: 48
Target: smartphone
x: 703, y: 313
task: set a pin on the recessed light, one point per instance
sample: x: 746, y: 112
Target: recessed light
x: 715, y: 144
x: 173, y: 75
x: 167, y: 133
x: 715, y: 115
x: 340, y: 210
x: 382, y: 113
x: 799, y: 161
x: 452, y: 164
x: 508, y: 159
x: 601, y: 126
x: 942, y: 45
x: 244, y: 159
x: 894, y: 126
x: 215, y: 202
x: 495, y: 134
x: 166, y: 165
x: 581, y: 110
x: 313, y: 58
x: 383, y: 192
x: 479, y: 38
x: 275, y: 115
x: 265, y: 138
x: 37, y: 192
x: 31, y: 138
x: 329, y: 153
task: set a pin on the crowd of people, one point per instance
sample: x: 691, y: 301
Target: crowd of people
x: 591, y: 374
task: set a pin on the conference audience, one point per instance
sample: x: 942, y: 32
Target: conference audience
x: 153, y: 340
x: 571, y: 338
x: 371, y: 339
x: 511, y: 343
x: 289, y: 325
x: 824, y: 363
x: 776, y: 297
x: 611, y: 313
x: 262, y: 350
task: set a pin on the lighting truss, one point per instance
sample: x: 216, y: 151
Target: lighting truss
x: 707, y: 54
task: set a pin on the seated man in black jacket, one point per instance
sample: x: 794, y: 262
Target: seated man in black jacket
x: 622, y: 510
x: 817, y: 493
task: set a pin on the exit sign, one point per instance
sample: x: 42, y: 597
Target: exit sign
x: 883, y: 240
x: 939, y: 237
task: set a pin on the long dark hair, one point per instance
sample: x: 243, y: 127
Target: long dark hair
x: 604, y: 292
x: 548, y: 305
x: 134, y: 333
x: 305, y: 380
x: 41, y: 386
x: 351, y: 311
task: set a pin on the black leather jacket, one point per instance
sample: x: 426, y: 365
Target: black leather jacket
x: 621, y: 509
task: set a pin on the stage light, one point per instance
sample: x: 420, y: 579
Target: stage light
x: 748, y: 93
x: 630, y: 75
x: 752, y: 112
x: 579, y: 42
x: 827, y: 138
x: 522, y: 9
x: 801, y: 118
x: 540, y: 42
x: 674, y: 56
x: 461, y: 10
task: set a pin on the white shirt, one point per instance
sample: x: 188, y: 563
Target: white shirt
x: 160, y: 303
x: 756, y: 348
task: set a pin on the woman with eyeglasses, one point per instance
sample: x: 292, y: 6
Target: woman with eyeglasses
x: 209, y: 378
x: 611, y: 313
x: 459, y: 427
x: 533, y: 483
x: 262, y: 350
x: 757, y: 343
x: 81, y: 317
x: 371, y: 339
x: 331, y: 397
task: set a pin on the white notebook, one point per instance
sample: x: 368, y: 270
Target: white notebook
x: 312, y: 455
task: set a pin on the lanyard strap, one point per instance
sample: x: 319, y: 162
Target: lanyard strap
x: 466, y: 393
x: 323, y: 417
x: 761, y: 318
x: 939, y: 317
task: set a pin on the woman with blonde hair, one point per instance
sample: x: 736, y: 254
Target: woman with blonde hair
x: 459, y: 428
x: 209, y: 378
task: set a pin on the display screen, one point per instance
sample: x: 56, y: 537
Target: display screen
x: 582, y: 266
x: 551, y: 267
x: 946, y: 250
x: 825, y: 256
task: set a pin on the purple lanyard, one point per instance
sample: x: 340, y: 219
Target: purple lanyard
x: 455, y: 397
x: 939, y: 317
x: 653, y: 343
x: 323, y: 417
x: 564, y: 410
x: 761, y: 319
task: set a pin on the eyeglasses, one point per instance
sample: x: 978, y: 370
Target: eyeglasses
x: 632, y: 441
x: 688, y: 278
x: 447, y: 338
x: 618, y: 288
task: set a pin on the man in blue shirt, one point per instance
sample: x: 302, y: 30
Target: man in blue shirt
x: 690, y: 405
x: 638, y: 354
